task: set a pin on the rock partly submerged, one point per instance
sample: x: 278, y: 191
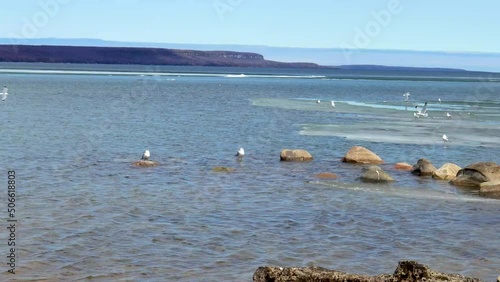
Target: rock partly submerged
x: 408, y: 271
x: 374, y: 173
x: 475, y: 174
x: 146, y: 163
x: 490, y: 189
x: 423, y: 167
x: 222, y: 169
x: 403, y: 166
x: 326, y: 175
x: 361, y: 155
x: 448, y: 171
x: 296, y: 155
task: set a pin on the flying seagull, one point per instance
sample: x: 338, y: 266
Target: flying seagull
x: 4, y: 93
x: 239, y: 155
x: 146, y: 155
x: 422, y: 112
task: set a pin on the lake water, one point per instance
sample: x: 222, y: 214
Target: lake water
x: 84, y: 211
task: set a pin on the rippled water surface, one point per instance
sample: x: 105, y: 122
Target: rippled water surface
x: 85, y: 212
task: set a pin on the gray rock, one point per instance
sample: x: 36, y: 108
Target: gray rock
x: 475, y: 174
x: 375, y: 174
x: 423, y: 167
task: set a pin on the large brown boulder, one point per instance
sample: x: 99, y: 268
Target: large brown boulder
x: 408, y: 271
x: 375, y: 174
x: 296, y: 155
x: 448, y: 171
x: 475, y: 174
x: 423, y: 167
x: 361, y: 155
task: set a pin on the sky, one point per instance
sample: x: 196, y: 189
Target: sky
x: 426, y: 25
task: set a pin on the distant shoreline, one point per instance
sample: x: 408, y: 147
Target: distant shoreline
x: 170, y: 57
x: 138, y: 56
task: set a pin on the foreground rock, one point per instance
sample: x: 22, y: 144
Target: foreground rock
x: 475, y: 174
x: 408, y: 271
x: 403, y: 166
x: 448, y: 171
x: 423, y: 167
x: 490, y: 189
x: 295, y: 155
x: 375, y: 174
x: 144, y: 163
x: 361, y: 155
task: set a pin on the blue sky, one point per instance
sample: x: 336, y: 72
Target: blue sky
x: 432, y: 25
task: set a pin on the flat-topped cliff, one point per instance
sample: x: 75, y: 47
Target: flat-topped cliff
x: 138, y: 56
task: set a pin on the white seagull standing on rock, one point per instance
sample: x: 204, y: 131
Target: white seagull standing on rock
x: 240, y: 154
x: 5, y: 93
x: 146, y: 155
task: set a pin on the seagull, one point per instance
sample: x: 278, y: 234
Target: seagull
x: 333, y: 104
x: 146, y: 155
x: 318, y: 101
x: 448, y: 115
x: 445, y: 139
x: 407, y: 95
x: 422, y: 112
x: 240, y: 154
x: 439, y: 99
x: 4, y: 93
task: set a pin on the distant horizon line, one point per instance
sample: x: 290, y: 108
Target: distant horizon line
x: 14, y: 41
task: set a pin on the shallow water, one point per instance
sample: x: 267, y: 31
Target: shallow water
x: 84, y: 211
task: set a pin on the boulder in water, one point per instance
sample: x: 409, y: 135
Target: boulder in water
x: 490, y: 189
x: 375, y: 174
x: 403, y: 166
x: 361, y: 155
x: 146, y: 163
x: 448, y: 171
x: 475, y: 174
x: 326, y: 175
x: 222, y: 169
x: 297, y: 155
x: 423, y: 167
